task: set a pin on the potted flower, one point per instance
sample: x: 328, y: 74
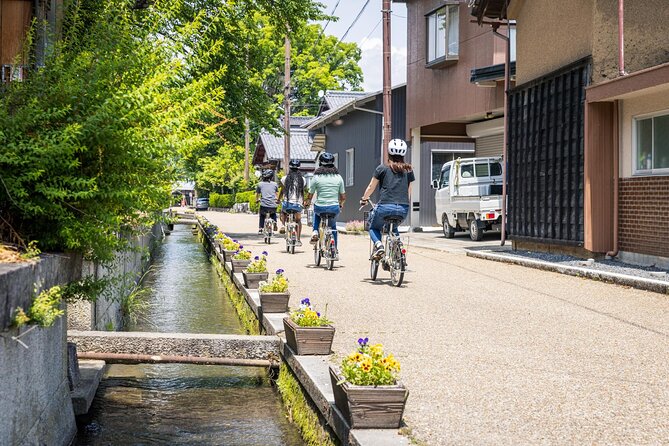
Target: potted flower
x: 240, y: 260
x: 274, y: 294
x: 307, y: 332
x: 230, y: 247
x: 256, y: 271
x: 367, y: 390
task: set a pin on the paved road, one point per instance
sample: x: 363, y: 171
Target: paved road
x: 495, y: 353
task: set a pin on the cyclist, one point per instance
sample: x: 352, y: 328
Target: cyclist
x: 395, y: 189
x: 266, y: 192
x: 330, y: 192
x: 292, y: 187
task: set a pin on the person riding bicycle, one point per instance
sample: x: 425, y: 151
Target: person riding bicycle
x: 292, y: 188
x: 395, y: 189
x: 330, y: 192
x: 266, y: 192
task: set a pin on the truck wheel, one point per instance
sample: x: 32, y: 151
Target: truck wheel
x: 449, y: 231
x: 474, y: 231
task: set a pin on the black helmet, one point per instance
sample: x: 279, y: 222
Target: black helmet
x: 294, y: 164
x: 268, y: 174
x: 326, y: 160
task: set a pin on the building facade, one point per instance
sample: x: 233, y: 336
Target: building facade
x: 593, y: 121
x: 455, y: 93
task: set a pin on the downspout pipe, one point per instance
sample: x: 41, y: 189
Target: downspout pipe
x: 616, y: 174
x: 507, y: 83
x: 621, y: 38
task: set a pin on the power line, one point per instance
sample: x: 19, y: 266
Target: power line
x: 355, y: 20
x: 331, y: 14
x: 373, y: 29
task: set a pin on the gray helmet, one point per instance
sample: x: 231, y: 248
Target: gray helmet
x: 326, y: 159
x: 294, y: 164
x: 268, y: 174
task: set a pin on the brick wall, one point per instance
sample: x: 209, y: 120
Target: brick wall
x: 644, y: 215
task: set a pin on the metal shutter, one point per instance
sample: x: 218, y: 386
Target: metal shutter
x: 490, y: 145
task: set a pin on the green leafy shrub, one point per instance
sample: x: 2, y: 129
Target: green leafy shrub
x: 44, y: 310
x: 250, y: 198
x: 242, y: 255
x: 224, y: 201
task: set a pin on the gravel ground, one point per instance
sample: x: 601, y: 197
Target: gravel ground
x: 612, y: 266
x: 494, y: 353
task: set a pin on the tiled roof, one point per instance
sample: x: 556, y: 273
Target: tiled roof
x: 299, y: 144
x: 336, y: 99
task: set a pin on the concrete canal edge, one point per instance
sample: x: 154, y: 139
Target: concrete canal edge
x: 641, y: 283
x: 307, y: 389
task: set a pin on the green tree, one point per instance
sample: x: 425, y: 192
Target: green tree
x: 87, y: 142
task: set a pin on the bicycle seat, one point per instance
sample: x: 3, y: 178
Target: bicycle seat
x: 394, y: 219
x: 327, y: 215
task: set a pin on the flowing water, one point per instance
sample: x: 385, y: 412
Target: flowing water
x: 183, y: 404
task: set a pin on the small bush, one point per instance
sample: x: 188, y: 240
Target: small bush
x: 248, y: 197
x: 224, y: 201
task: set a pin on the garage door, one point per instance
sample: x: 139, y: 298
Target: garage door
x: 490, y: 145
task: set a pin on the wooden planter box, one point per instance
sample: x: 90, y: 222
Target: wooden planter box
x: 227, y: 255
x: 239, y: 265
x: 274, y: 302
x: 369, y: 407
x: 252, y: 280
x: 308, y: 340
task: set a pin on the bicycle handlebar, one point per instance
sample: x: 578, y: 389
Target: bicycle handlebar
x: 369, y: 202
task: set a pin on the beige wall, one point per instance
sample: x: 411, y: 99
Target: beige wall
x: 653, y: 100
x: 646, y: 36
x: 548, y: 37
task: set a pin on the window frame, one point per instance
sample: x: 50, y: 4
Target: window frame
x: 433, y: 151
x: 350, y: 162
x: 664, y: 171
x: 446, y: 59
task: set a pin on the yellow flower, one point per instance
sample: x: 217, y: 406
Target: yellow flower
x: 376, y: 349
x: 355, y: 357
x: 366, y: 365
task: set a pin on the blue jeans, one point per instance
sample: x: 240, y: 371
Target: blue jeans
x: 286, y: 206
x: 334, y: 209
x: 381, y: 211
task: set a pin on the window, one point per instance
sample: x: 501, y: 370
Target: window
x: 336, y: 163
x: 482, y: 169
x: 652, y: 144
x: 467, y: 170
x: 350, y: 162
x: 438, y: 160
x: 495, y: 169
x: 445, y: 177
x: 443, y: 37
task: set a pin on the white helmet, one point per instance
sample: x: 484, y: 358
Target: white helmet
x: 397, y: 147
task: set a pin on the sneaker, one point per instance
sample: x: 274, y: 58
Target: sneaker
x: 379, y: 251
x: 336, y: 257
x: 260, y: 231
x: 314, y: 237
x: 276, y: 228
x: 298, y: 243
x: 282, y: 230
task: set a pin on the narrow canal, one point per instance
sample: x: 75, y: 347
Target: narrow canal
x: 179, y: 404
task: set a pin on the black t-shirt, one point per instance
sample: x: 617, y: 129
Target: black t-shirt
x: 394, y: 186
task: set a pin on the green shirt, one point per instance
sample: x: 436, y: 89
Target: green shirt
x: 327, y: 189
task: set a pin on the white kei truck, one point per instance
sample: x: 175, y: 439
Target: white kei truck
x: 469, y: 196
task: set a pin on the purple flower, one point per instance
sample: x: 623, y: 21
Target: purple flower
x: 279, y: 271
x: 235, y: 241
x: 256, y: 258
x: 305, y: 301
x: 363, y: 342
x: 265, y: 253
x: 318, y: 314
x: 241, y: 246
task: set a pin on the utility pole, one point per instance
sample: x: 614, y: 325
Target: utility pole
x: 286, y: 105
x: 387, y: 88
x: 247, y: 142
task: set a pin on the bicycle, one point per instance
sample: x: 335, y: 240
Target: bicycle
x: 394, y: 258
x: 268, y: 229
x: 325, y: 247
x: 291, y: 231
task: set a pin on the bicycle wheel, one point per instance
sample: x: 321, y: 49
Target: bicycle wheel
x: 373, y: 269
x: 317, y: 254
x: 397, y: 262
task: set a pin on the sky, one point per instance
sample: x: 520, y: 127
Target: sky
x: 367, y: 33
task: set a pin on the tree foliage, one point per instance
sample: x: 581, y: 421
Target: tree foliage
x: 88, y: 141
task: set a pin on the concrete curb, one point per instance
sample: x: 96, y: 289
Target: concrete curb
x: 656, y: 286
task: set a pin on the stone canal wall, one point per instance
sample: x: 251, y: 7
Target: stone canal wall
x: 35, y: 404
x: 35, y: 398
